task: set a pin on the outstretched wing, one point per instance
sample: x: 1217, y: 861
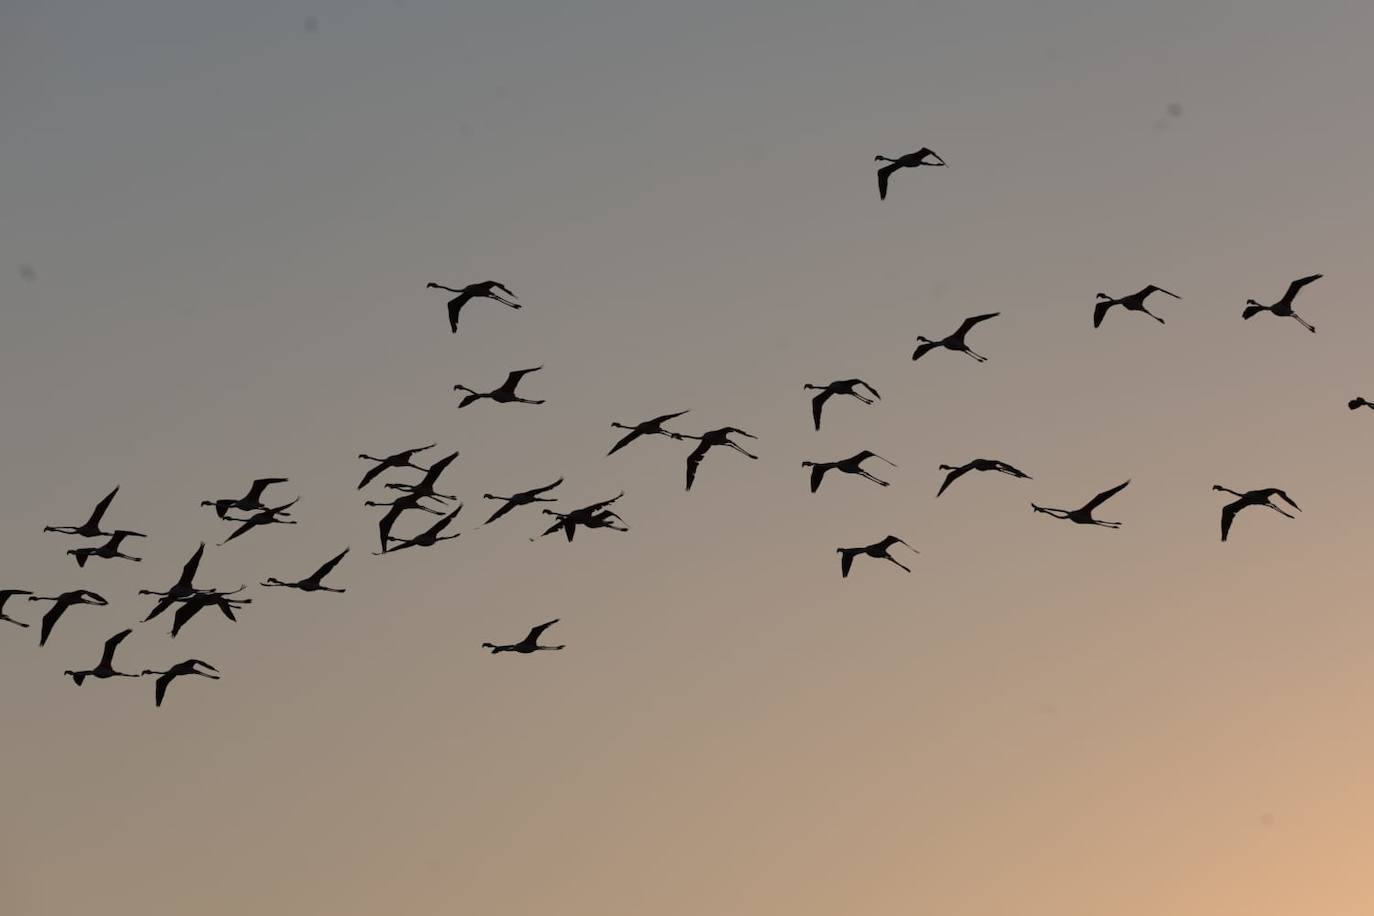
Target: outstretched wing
x: 1228, y: 515
x: 544, y: 489
x: 1008, y: 469
x: 951, y: 477
x: 327, y: 568
x: 516, y: 375
x: 970, y: 322
x: 259, y: 485
x: 188, y: 572
x: 846, y: 561
x: 107, y: 659
x: 1100, y: 311
x: 455, y: 306
x: 817, y: 404
x: 1284, y: 496
x: 625, y: 440
x: 1157, y: 289
x: 925, y: 348
x: 694, y: 461
x: 871, y: 390
x: 1297, y: 285
x: 160, y: 689
x: 883, y: 174
x: 1102, y: 497
x: 372, y: 473
x: 50, y: 619
x: 100, y: 508
x: 535, y: 632
x: 817, y: 473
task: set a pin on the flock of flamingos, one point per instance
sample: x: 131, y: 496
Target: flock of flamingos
x: 249, y: 511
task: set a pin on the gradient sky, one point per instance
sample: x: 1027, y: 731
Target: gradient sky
x: 215, y: 229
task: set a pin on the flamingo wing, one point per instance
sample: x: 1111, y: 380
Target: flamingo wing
x: 951, y: 477
x: 107, y: 658
x: 1105, y: 495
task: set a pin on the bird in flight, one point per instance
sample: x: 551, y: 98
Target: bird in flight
x: 1284, y: 307
x: 189, y: 667
x: 1357, y: 403
x: 1084, y: 515
x: 523, y: 498
x: 275, y: 515
x: 845, y: 386
x: 503, y: 395
x: 313, y: 582
x: 425, y: 488
x: 597, y: 515
x: 1250, y: 498
x: 202, y: 600
x: 484, y: 290
x: 249, y: 502
x: 405, y: 459
x: 107, y: 551
x: 427, y: 538
x: 106, y: 667
x: 397, y: 508
x: 1135, y: 302
x: 954, y: 341
x: 184, y: 587
x: 709, y: 440
x: 652, y: 427
x: 91, y: 527
x: 850, y: 465
x: 978, y: 464
x: 878, y: 551
x: 60, y: 603
x: 527, y: 645
x: 923, y: 156
x: 6, y: 595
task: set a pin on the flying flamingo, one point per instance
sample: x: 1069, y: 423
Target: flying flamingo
x: 850, y: 465
x: 189, y: 667
x: 1084, y: 516
x: 1250, y: 498
x: 405, y: 459
x: 922, y: 156
x: 527, y: 645
x: 878, y: 551
x: 485, y: 290
x: 652, y: 427
x: 1284, y: 307
x: 954, y: 341
x: 106, y: 667
x: 1135, y: 302
x: 978, y: 464
x: 523, y: 498
x: 709, y: 440
x: 313, y: 582
x: 91, y: 527
x: 503, y: 395
x: 844, y: 386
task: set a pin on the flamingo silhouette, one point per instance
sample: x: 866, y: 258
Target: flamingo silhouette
x: 523, y: 498
x: 198, y: 602
x: 1284, y: 307
x: 249, y: 502
x: 189, y: 667
x: 954, y: 341
x: 484, y: 290
x: 60, y: 604
x: 1135, y: 302
x: 922, y: 156
x: 1357, y: 403
x: 711, y: 439
x: 652, y: 427
x: 91, y: 527
x: 405, y: 459
x: 597, y: 515
x: 503, y: 395
x: 527, y: 645
x: 978, y: 464
x: 1084, y: 515
x: 426, y: 538
x: 313, y: 582
x: 276, y: 515
x: 844, y: 386
x: 107, y: 551
x: 850, y: 465
x: 1262, y: 497
x: 878, y: 551
x: 106, y: 667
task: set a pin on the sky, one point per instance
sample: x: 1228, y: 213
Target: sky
x: 216, y: 226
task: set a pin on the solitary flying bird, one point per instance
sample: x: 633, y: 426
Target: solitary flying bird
x: 845, y: 386
x: 850, y: 465
x: 106, y: 667
x: 91, y: 527
x: 1135, y: 302
x: 1250, y: 498
x: 405, y: 459
x: 503, y: 395
x: 484, y: 290
x: 275, y: 515
x: 709, y: 440
x: 652, y: 427
x: 59, y: 607
x: 249, y: 502
x: 188, y: 667
x: 878, y: 551
x: 1357, y: 403
x: 107, y: 551
x: 6, y: 595
x: 1284, y: 307
x: 954, y: 341
x: 523, y: 498
x: 1084, y: 516
x: 527, y: 645
x: 313, y: 582
x: 978, y: 464
x: 922, y: 156
x: 597, y: 515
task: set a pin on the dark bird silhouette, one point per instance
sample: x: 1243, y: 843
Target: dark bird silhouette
x: 1084, y: 516
x: 1250, y: 498
x: 978, y: 464
x: 202, y: 600
x: 6, y: 595
x: 186, y: 668
x: 523, y: 498
x: 398, y: 507
x: 597, y: 515
x: 276, y: 515
x: 106, y: 667
x: 527, y: 645
x: 652, y: 427
x: 313, y: 582
x: 59, y: 607
x: 427, y: 538
x: 249, y: 502
x: 184, y: 587
x: 846, y: 386
x: 709, y: 440
x: 850, y: 465
x: 1284, y: 307
x: 1357, y: 403
x: 405, y: 459
x: 91, y: 527
x: 1135, y: 302
x: 878, y: 551
x: 484, y: 290
x: 424, y: 489
x: 503, y: 395
x: 922, y: 156
x: 107, y: 551
x: 954, y: 341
